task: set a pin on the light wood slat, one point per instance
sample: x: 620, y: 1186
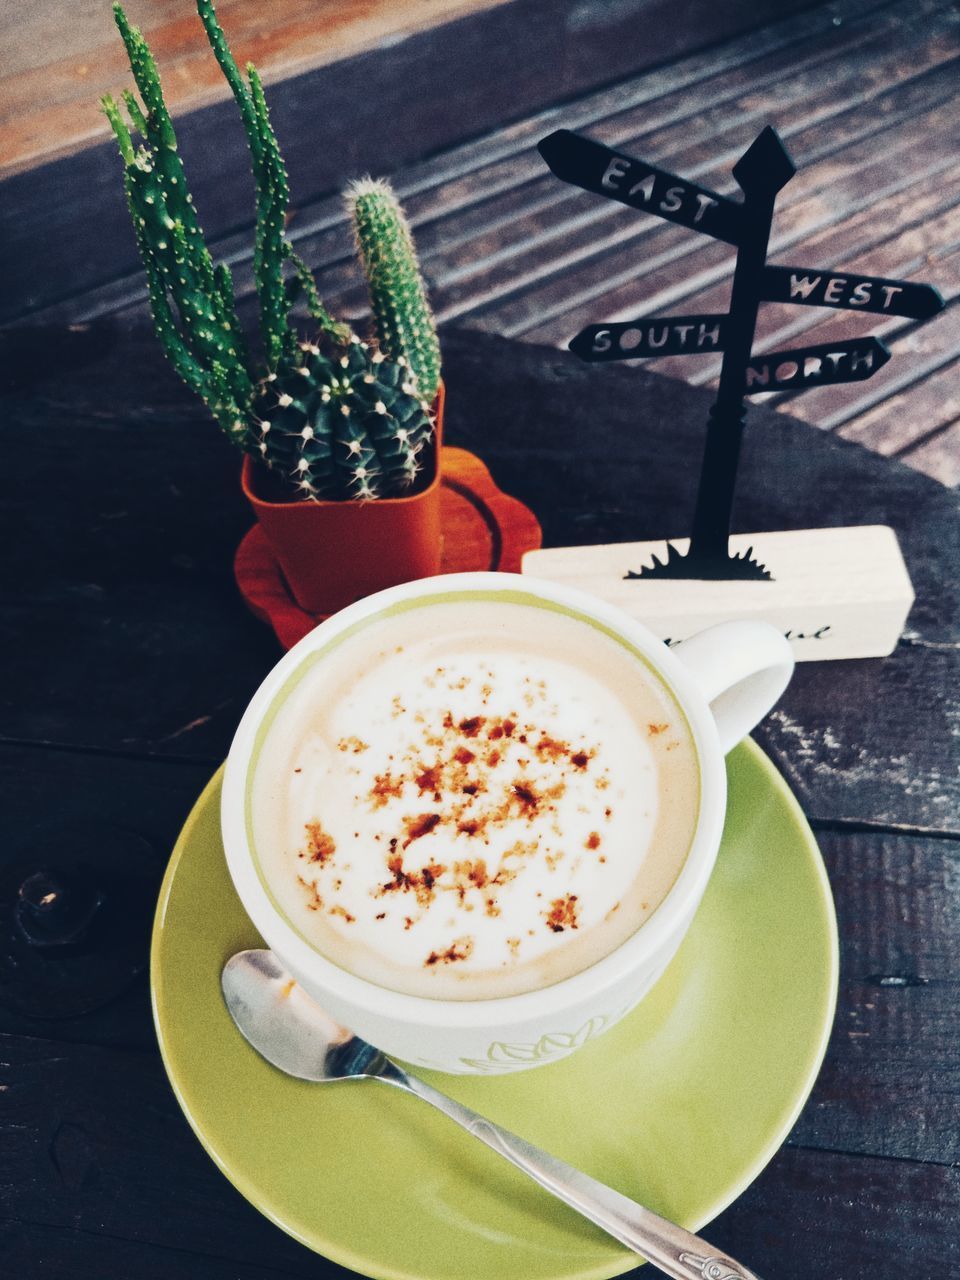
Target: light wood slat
x: 544, y: 209
x: 54, y: 70
x: 923, y: 346
x: 904, y: 423
x: 677, y: 263
x: 916, y: 353
x: 928, y: 344
x: 503, y: 243
x: 699, y: 142
x: 452, y: 198
x: 843, y: 145
x: 938, y: 456
x: 929, y: 236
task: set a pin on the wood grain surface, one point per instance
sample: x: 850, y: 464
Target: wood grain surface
x: 861, y: 90
x: 54, y: 71
x: 379, y: 109
x: 130, y: 657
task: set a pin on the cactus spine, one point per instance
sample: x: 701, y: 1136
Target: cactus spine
x: 334, y: 417
x: 385, y: 245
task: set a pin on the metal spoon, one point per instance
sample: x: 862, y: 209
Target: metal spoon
x: 293, y: 1033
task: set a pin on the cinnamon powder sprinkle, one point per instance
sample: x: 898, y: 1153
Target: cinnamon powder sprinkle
x: 316, y: 902
x: 385, y: 786
x: 338, y: 910
x: 562, y: 914
x: 476, y: 872
x: 458, y: 950
x: 419, y: 826
x: 551, y: 748
x: 593, y: 840
x: 429, y: 780
x: 526, y: 795
x: 654, y: 729
x: 320, y: 844
x: 471, y: 726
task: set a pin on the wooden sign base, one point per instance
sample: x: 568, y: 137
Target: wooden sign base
x: 836, y: 593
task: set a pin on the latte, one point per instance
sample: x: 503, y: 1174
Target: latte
x: 473, y: 798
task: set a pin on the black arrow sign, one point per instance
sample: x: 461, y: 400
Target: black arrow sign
x: 650, y: 336
x: 609, y: 173
x: 820, y: 366
x: 814, y: 288
x: 761, y: 172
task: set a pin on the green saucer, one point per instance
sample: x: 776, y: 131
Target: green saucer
x: 679, y: 1106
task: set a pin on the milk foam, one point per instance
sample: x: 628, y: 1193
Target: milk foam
x: 474, y: 799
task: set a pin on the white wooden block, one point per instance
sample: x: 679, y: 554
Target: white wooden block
x: 836, y: 593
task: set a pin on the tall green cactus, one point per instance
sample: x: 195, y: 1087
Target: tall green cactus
x: 404, y: 320
x: 343, y: 421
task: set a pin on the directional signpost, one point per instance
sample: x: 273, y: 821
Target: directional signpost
x: 761, y: 172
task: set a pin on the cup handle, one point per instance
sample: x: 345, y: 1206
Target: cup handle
x: 742, y: 668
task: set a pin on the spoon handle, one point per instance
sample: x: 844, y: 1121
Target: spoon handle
x: 677, y: 1252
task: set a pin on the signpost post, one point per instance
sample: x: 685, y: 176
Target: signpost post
x: 838, y: 592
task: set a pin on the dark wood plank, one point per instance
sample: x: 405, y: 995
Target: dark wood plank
x: 109, y: 1129
x: 122, y: 575
x: 891, y: 1080
x: 143, y: 571
x: 890, y: 1083
x: 494, y: 65
x: 811, y: 1214
x: 483, y: 212
x: 73, y: 1253
x: 918, y: 351
x: 149, y: 798
x: 92, y: 1138
x: 807, y: 1214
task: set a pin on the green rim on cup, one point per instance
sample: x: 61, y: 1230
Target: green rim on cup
x: 679, y: 1106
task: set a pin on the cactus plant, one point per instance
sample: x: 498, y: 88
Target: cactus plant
x: 397, y: 297
x: 333, y: 415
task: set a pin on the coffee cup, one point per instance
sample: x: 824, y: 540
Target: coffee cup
x: 719, y: 684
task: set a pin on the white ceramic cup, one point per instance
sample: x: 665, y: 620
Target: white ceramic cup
x: 725, y: 679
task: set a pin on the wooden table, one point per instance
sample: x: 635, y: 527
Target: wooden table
x: 863, y: 93
x: 129, y: 657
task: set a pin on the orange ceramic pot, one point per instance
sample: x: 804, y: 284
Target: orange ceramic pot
x: 332, y: 553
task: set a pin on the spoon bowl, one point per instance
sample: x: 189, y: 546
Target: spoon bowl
x: 287, y: 1027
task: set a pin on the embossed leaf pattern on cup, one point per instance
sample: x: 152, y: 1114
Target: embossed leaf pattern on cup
x: 552, y: 1045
